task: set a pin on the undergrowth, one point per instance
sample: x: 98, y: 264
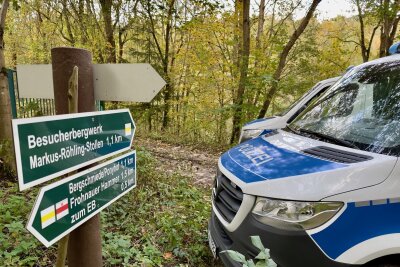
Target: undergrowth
x: 187, y: 141
x: 162, y: 222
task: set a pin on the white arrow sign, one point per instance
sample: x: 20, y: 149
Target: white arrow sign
x: 112, y: 82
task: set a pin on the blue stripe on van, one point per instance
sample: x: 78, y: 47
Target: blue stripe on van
x: 358, y: 224
x: 258, y: 160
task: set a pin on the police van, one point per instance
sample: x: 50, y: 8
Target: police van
x: 325, y: 190
x: 256, y: 127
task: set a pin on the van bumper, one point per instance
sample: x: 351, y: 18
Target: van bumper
x: 287, y: 248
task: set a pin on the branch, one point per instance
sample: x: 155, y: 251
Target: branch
x: 3, y: 13
x: 372, y: 38
x: 346, y: 41
x: 296, y: 34
x: 394, y: 27
x: 362, y: 29
x: 282, y: 21
x: 154, y: 34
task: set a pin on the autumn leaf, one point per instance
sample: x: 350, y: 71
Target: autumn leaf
x: 167, y: 255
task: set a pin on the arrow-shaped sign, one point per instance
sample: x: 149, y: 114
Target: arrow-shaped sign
x: 112, y: 82
x: 48, y: 147
x: 63, y: 206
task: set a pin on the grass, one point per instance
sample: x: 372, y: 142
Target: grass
x: 162, y: 222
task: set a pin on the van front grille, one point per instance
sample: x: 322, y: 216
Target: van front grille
x: 227, y: 197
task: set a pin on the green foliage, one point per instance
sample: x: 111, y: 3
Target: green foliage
x: 202, y: 69
x: 6, y: 171
x: 17, y: 246
x: 262, y: 259
x: 162, y: 222
x: 31, y: 109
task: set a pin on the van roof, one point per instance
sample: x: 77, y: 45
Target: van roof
x: 391, y: 58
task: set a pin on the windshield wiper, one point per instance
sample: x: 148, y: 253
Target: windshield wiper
x: 330, y: 138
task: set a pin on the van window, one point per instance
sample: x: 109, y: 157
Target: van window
x: 291, y: 106
x: 362, y: 109
x: 307, y: 104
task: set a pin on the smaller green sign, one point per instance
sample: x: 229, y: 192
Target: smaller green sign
x: 65, y: 205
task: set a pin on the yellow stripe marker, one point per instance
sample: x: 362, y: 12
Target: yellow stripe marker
x: 128, y: 129
x: 48, y: 216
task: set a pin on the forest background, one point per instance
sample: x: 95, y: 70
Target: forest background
x: 225, y: 62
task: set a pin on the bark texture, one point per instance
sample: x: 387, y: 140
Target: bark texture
x: 6, y: 136
x: 106, y: 10
x: 244, y: 53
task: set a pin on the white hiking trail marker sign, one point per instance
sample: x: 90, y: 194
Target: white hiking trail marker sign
x: 112, y: 82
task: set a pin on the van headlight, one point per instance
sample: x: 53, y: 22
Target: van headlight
x: 294, y: 215
x: 248, y: 134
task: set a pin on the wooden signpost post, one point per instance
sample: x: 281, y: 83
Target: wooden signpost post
x: 49, y: 147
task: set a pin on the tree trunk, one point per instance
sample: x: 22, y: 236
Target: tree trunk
x: 389, y: 26
x: 168, y: 88
x: 106, y: 8
x: 121, y: 44
x: 244, y: 66
x: 5, y: 103
x: 364, y: 50
x: 260, y: 32
x: 71, y: 37
x: 283, y: 57
x: 260, y: 28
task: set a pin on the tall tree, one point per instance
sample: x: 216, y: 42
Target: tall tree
x: 244, y: 53
x: 384, y: 15
x: 5, y: 103
x: 388, y: 11
x: 106, y: 10
x: 284, y: 55
x: 164, y: 54
x: 365, y: 44
x: 258, y: 52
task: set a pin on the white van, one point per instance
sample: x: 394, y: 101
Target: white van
x: 325, y: 190
x: 256, y: 127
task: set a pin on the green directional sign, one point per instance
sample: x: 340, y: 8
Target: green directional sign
x: 63, y: 206
x: 47, y: 147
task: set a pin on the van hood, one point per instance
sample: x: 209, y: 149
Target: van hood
x: 276, y: 165
x: 270, y: 123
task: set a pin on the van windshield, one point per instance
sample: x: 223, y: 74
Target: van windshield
x: 360, y: 111
x: 291, y: 106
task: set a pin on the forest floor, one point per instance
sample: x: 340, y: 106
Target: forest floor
x: 162, y: 222
x: 198, y: 164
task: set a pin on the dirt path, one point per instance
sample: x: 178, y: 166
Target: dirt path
x: 198, y: 164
